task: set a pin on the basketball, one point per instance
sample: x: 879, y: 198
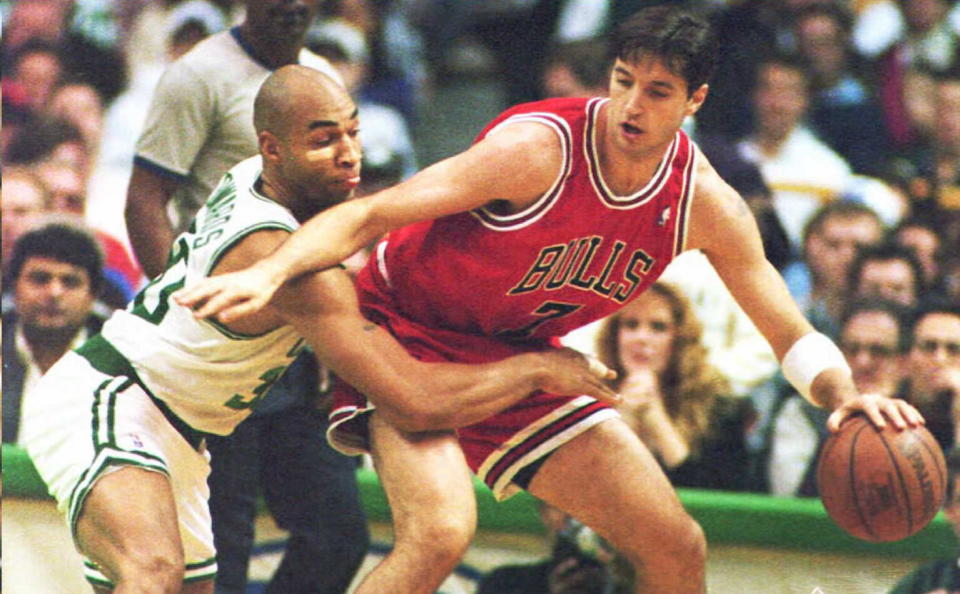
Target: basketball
x: 881, y: 485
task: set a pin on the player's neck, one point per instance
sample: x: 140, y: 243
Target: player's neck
x: 273, y: 189
x: 623, y: 172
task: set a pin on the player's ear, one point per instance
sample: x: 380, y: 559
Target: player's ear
x: 697, y: 98
x: 269, y: 145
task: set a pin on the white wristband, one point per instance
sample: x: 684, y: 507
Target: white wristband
x: 810, y: 355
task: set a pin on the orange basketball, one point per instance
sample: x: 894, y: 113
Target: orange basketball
x: 881, y: 486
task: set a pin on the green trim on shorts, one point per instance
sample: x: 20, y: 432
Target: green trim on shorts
x: 195, y: 568
x: 83, y: 487
x: 106, y: 359
x: 202, y: 570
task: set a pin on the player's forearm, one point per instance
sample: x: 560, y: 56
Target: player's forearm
x: 456, y: 395
x: 324, y: 241
x: 150, y: 234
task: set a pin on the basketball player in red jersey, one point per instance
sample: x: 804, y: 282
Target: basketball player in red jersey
x: 560, y: 213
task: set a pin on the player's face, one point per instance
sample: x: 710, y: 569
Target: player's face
x: 281, y: 19
x: 647, y: 333
x: 52, y: 295
x: 869, y: 342
x: 648, y: 103
x: 321, y: 158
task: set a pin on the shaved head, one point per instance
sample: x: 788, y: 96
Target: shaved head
x: 286, y: 90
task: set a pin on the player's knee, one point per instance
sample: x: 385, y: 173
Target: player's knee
x: 153, y: 572
x: 692, y: 544
x: 444, y: 540
x: 683, y: 549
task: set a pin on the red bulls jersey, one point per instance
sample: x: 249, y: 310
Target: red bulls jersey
x: 577, y: 254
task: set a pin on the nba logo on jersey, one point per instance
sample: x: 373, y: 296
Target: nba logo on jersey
x: 664, y: 217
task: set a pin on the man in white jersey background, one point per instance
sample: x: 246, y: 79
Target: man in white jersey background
x: 118, y: 439
x: 199, y: 126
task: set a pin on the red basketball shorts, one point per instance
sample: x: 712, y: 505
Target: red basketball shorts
x: 496, y: 448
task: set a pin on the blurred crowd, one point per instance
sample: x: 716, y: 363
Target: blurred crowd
x: 837, y: 120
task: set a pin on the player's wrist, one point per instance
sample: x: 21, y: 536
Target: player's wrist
x: 817, y: 369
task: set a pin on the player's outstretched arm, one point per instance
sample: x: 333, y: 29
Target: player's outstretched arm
x: 411, y: 394
x: 722, y: 226
x: 516, y: 164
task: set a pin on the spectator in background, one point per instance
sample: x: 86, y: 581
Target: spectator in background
x: 830, y: 243
x: 886, y: 271
x: 928, y: 38
x: 580, y: 562
x: 802, y: 171
x: 55, y: 270
x: 932, y: 382
x: 189, y: 23
x: 84, y: 33
x: 68, y: 196
x: 747, y: 31
x: 397, y: 74
x: 577, y: 69
x: 36, y: 68
x: 951, y: 276
x: 199, y: 125
x: 872, y: 337
x: 921, y: 236
x: 24, y: 199
x: 678, y: 404
x: 942, y: 575
x: 80, y: 104
x: 48, y: 139
x: 933, y: 168
x: 843, y: 110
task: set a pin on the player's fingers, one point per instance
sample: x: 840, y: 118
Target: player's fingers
x: 217, y: 305
x: 836, y: 419
x: 598, y: 369
x: 198, y: 292
x: 910, y: 414
x: 892, y: 410
x: 603, y: 393
x: 873, y: 412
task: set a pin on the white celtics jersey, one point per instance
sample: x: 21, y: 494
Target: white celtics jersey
x: 206, y: 374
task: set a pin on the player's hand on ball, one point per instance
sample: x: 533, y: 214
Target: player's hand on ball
x: 879, y: 409
x: 571, y: 373
x: 230, y: 296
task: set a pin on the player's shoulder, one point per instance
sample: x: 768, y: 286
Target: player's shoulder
x: 566, y: 108
x: 535, y: 126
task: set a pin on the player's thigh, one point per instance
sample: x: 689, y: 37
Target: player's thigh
x: 425, y: 475
x: 606, y: 478
x: 129, y: 515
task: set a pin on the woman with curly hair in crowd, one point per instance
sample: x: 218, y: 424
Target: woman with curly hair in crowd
x: 677, y: 403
